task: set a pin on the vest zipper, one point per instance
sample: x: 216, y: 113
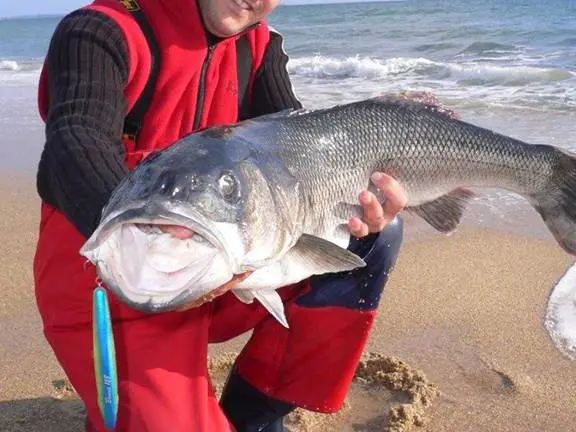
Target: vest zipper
x: 201, y: 88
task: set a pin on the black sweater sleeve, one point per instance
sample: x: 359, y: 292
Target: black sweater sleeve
x: 272, y: 90
x: 83, y: 157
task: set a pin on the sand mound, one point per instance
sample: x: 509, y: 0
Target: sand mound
x: 395, y: 375
x: 398, y: 395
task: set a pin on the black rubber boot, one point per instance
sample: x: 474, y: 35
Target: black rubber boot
x: 250, y: 410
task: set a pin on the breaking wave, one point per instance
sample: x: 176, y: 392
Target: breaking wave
x: 17, y: 72
x: 475, y: 73
x: 514, y: 84
x: 9, y: 65
x: 350, y: 67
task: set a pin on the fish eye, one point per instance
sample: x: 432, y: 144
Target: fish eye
x: 228, y: 186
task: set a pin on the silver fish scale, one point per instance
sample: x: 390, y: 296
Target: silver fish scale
x: 332, y: 152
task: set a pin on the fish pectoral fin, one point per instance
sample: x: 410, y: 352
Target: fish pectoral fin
x: 322, y: 256
x: 445, y: 213
x: 272, y: 302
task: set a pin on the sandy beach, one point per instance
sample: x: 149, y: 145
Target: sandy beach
x: 459, y: 344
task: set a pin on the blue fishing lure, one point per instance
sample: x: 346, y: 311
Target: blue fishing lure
x: 104, y: 358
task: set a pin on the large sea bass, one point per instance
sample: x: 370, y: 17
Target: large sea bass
x: 274, y: 194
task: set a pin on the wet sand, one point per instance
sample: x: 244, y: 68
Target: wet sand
x: 459, y: 343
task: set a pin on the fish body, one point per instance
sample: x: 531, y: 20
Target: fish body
x: 273, y: 195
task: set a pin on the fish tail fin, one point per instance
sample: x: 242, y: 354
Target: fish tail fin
x: 557, y: 202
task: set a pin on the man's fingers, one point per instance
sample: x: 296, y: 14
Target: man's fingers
x: 395, y: 196
x: 358, y: 228
x: 374, y: 215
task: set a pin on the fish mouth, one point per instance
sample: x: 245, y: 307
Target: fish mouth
x: 162, y: 215
x: 153, y: 305
x: 152, y: 271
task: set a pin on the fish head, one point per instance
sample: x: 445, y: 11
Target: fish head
x: 215, y: 190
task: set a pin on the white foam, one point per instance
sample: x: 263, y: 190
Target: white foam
x: 353, y: 67
x: 507, y: 75
x: 368, y: 67
x: 560, y: 319
x: 18, y: 73
x: 9, y: 65
x: 520, y: 86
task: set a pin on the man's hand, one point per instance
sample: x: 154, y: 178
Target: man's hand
x: 377, y: 216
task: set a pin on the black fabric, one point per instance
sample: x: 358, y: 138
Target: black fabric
x: 250, y: 410
x: 272, y: 90
x: 244, y: 69
x: 83, y: 156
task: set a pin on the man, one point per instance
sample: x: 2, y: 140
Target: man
x: 121, y: 79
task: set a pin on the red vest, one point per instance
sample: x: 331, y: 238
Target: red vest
x: 180, y: 36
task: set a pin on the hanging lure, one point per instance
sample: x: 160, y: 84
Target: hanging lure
x: 104, y: 358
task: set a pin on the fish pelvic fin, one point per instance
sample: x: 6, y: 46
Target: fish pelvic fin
x: 270, y: 299
x: 272, y: 302
x: 445, y: 213
x: 245, y: 296
x: 557, y: 202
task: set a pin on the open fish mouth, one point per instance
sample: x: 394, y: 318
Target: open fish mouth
x: 153, y: 215
x: 151, y: 270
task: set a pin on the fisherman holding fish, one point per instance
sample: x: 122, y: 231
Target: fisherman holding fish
x: 121, y: 80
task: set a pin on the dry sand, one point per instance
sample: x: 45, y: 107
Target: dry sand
x: 459, y: 343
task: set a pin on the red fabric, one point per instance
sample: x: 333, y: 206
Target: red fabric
x: 312, y: 364
x: 156, y: 387
x: 180, y: 36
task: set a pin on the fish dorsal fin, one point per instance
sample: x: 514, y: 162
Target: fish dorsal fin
x: 418, y: 102
x: 445, y: 213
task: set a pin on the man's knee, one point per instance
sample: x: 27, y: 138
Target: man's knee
x: 361, y: 288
